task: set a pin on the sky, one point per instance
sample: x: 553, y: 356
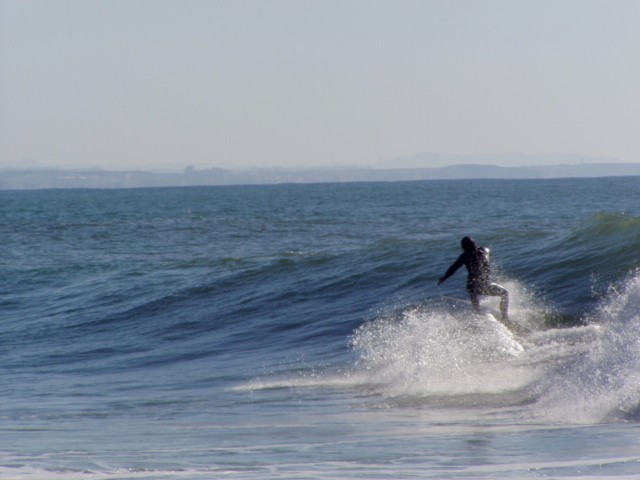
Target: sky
x: 157, y: 84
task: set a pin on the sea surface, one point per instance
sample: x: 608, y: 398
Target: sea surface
x: 298, y: 332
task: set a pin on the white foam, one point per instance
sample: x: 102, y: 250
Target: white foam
x: 347, y: 379
x: 33, y: 473
x: 600, y: 381
x: 432, y: 352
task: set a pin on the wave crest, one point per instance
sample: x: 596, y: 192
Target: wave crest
x: 601, y: 383
x: 436, y: 353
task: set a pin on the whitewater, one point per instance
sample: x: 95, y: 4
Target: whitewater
x: 298, y: 332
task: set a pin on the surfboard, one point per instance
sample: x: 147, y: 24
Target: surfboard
x: 484, y: 309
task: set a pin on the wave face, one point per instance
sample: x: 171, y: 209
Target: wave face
x: 201, y: 314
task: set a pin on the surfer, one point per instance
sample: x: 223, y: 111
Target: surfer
x: 476, y: 259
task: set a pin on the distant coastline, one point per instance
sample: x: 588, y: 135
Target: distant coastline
x: 27, y: 179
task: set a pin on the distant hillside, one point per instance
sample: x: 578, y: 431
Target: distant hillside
x: 434, y: 160
x: 40, y: 179
x: 551, y: 171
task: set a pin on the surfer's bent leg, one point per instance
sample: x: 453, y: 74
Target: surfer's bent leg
x: 496, y: 290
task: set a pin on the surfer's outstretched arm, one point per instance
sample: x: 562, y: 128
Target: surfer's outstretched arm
x: 452, y: 269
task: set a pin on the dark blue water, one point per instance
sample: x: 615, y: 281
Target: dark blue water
x: 296, y: 331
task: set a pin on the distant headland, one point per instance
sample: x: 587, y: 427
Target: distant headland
x: 25, y: 179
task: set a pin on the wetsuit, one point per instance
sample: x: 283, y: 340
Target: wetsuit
x: 476, y: 259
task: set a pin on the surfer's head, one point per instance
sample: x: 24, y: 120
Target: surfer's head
x: 468, y: 244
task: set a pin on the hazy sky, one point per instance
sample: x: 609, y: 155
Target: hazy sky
x: 154, y: 84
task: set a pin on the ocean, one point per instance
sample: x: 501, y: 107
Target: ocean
x: 298, y: 332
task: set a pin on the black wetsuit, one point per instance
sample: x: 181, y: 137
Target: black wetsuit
x: 476, y: 259
x: 477, y: 263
